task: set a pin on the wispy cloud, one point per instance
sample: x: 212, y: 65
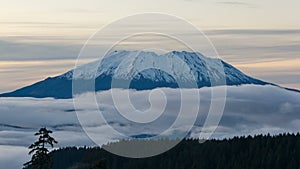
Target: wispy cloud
x: 237, y: 3
x: 253, y: 31
x: 32, y: 23
x: 236, y: 46
x: 17, y: 51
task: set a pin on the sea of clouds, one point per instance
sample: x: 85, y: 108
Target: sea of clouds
x: 249, y: 110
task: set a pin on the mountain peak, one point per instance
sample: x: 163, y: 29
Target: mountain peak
x: 143, y: 70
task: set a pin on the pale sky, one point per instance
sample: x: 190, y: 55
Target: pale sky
x: 260, y: 37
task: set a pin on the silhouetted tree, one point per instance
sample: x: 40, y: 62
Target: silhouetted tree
x: 40, y: 158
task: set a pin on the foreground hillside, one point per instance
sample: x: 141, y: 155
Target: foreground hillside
x: 259, y: 152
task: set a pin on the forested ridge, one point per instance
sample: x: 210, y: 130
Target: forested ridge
x: 258, y: 152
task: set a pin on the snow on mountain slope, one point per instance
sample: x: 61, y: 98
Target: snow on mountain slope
x: 142, y: 70
x: 183, y: 66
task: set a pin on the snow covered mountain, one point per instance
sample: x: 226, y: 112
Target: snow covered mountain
x: 141, y: 70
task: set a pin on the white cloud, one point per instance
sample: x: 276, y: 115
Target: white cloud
x: 12, y: 157
x: 249, y: 110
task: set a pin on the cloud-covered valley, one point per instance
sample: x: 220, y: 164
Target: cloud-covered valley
x: 249, y: 109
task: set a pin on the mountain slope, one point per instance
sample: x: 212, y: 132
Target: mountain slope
x: 141, y: 71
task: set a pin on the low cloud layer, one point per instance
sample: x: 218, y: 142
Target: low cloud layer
x: 248, y: 110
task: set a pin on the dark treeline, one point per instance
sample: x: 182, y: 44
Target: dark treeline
x: 258, y: 152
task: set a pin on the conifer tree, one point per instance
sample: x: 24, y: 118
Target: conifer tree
x: 39, y: 151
